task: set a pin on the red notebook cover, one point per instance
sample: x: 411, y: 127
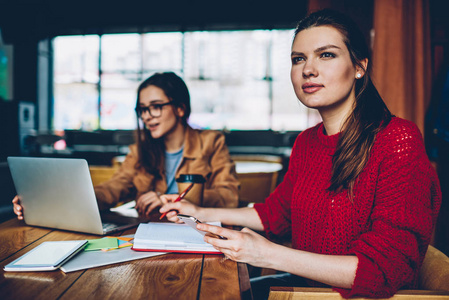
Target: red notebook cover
x: 177, y: 251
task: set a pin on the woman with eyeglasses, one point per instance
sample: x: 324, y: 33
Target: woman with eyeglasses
x: 360, y: 198
x: 166, y: 147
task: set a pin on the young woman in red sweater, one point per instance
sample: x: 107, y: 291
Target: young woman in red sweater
x: 360, y: 197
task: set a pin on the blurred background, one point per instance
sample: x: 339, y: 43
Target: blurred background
x: 69, y: 73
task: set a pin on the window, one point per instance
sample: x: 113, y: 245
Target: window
x: 76, y: 78
x: 238, y: 80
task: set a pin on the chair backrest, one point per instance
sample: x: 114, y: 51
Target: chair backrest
x: 257, y: 157
x: 118, y: 160
x: 434, y: 273
x: 302, y: 293
x: 258, y: 175
x: 100, y: 174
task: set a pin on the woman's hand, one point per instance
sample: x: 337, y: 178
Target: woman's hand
x: 18, y: 209
x: 147, y: 202
x: 173, y: 208
x: 242, y: 246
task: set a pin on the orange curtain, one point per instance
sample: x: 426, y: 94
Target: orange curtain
x: 402, y: 57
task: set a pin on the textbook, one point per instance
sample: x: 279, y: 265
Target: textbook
x: 171, y: 237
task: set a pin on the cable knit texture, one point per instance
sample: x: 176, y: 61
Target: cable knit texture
x: 388, y: 225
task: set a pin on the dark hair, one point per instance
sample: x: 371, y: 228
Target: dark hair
x: 150, y: 150
x: 369, y: 114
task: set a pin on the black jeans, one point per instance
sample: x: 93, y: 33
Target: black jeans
x: 260, y: 286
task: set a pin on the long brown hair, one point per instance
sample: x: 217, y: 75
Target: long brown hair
x: 369, y: 114
x: 152, y: 151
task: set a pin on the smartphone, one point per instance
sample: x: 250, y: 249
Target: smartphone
x: 192, y: 221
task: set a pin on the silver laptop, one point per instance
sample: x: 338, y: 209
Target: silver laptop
x: 58, y: 193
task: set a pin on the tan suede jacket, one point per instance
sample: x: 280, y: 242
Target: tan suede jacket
x: 205, y: 153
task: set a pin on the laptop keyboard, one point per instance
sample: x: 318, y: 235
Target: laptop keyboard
x: 108, y: 226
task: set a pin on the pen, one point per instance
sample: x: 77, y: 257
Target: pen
x: 182, y: 195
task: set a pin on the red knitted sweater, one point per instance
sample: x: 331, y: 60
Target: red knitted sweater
x: 389, y: 223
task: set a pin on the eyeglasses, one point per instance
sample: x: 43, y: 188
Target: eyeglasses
x: 155, y: 110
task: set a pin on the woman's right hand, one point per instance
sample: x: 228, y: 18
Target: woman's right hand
x: 182, y: 207
x: 18, y: 209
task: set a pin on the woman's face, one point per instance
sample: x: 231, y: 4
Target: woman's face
x: 167, y: 121
x: 322, y: 73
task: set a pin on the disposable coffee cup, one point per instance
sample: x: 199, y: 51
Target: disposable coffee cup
x: 195, y: 195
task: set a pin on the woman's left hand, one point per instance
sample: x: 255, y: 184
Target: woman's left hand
x: 242, y: 246
x: 147, y: 202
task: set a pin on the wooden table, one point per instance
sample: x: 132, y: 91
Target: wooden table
x: 169, y: 276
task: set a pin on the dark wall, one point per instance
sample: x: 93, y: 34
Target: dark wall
x: 46, y: 18
x: 25, y: 71
x: 438, y: 147
x: 439, y: 34
x: 7, y: 192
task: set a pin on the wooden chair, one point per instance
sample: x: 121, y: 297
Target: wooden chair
x: 433, y: 283
x: 258, y: 175
x: 101, y: 174
x: 118, y: 160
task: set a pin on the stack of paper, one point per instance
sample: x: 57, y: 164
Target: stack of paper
x: 91, y: 259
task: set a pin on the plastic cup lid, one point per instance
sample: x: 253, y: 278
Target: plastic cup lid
x: 196, y: 178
